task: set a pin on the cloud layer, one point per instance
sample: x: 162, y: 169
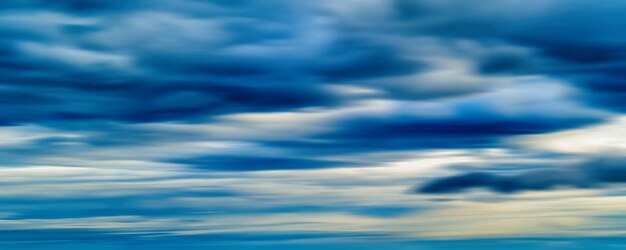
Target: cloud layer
x: 250, y: 121
x: 591, y: 173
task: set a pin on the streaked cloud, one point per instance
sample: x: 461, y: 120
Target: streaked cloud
x: 263, y: 124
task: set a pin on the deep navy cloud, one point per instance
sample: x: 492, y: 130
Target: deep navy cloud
x: 588, y: 174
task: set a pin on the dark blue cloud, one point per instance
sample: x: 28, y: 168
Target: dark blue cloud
x: 592, y: 173
x: 604, y: 85
x: 72, y: 6
x: 100, y: 89
x: 354, y: 59
x: 469, y: 127
x: 258, y: 163
x: 170, y: 45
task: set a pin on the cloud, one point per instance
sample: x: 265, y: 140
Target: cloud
x: 481, y: 120
x: 596, y: 139
x: 589, y: 174
x: 126, y: 69
x: 128, y: 120
x: 138, y: 66
x: 354, y: 59
x: 257, y: 163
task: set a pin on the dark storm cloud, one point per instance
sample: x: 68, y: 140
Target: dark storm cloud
x: 589, y: 174
x: 134, y: 62
x: 95, y: 60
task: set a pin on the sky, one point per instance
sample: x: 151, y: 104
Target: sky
x: 327, y: 124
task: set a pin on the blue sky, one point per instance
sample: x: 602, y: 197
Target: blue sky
x: 330, y: 124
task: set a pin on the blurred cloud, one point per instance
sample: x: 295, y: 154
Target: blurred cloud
x: 598, y: 139
x: 278, y: 121
x: 589, y: 174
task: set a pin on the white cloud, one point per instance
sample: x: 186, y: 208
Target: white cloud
x: 609, y: 137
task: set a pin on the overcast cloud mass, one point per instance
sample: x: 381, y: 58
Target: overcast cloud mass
x: 329, y: 124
